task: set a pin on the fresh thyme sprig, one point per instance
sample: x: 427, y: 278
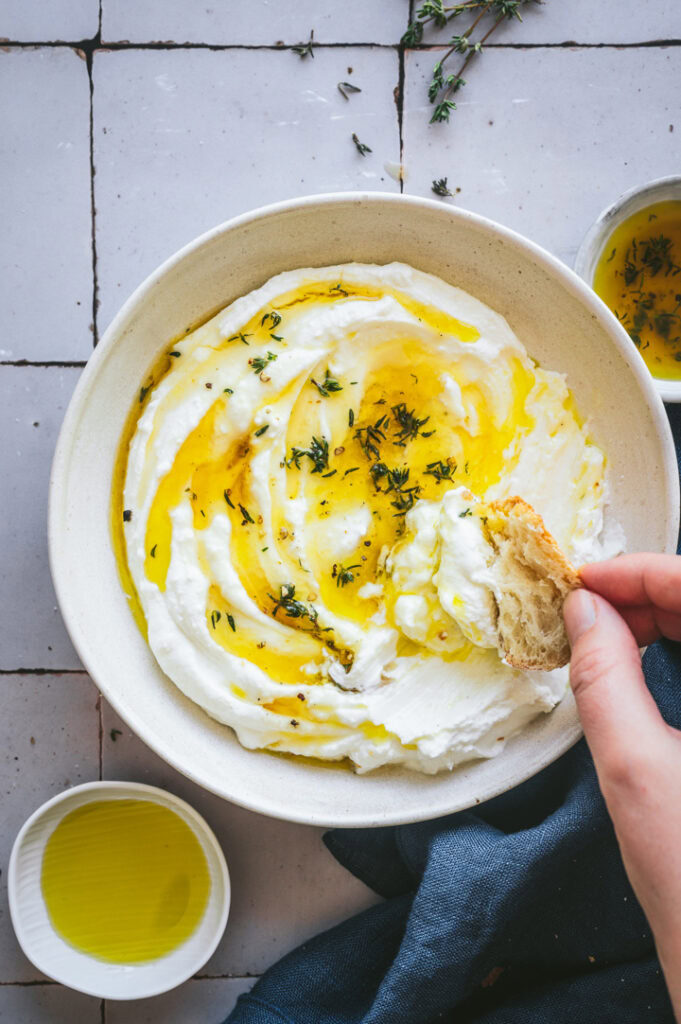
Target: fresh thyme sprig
x: 441, y: 470
x: 345, y: 87
x: 409, y: 425
x: 444, y: 86
x: 648, y: 258
x: 370, y: 437
x: 361, y: 147
x: 439, y: 187
x: 327, y: 386
x: 241, y: 336
x: 305, y: 49
x: 295, y: 609
x: 317, y: 453
x: 274, y: 318
x: 260, y: 362
x: 343, y: 574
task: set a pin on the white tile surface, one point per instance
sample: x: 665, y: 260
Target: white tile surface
x: 542, y: 140
x: 46, y: 255
x: 49, y: 737
x: 47, y: 1004
x: 257, y: 22
x: 286, y: 886
x: 582, y: 21
x: 185, y: 139
x: 34, y: 400
x: 196, y: 1002
x: 29, y: 21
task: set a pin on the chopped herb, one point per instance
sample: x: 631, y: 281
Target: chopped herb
x: 247, y: 517
x: 241, y: 337
x: 260, y: 362
x: 317, y: 453
x: 371, y: 436
x: 439, y: 187
x: 175, y: 354
x: 232, y: 623
x: 215, y: 617
x: 361, y: 147
x: 295, y: 723
x: 353, y: 469
x: 441, y: 470
x: 153, y: 551
x: 143, y: 393
x: 336, y: 289
x: 611, y: 256
x: 325, y: 475
x: 127, y: 515
x: 265, y: 549
x: 114, y: 734
x: 228, y: 391
x: 351, y: 418
x: 345, y: 87
x: 291, y: 606
x: 228, y: 499
x: 466, y: 512
x: 261, y: 430
x: 277, y: 337
x: 343, y: 574
x: 273, y: 317
x: 409, y: 425
x: 328, y: 386
x: 202, y: 513
x: 305, y: 49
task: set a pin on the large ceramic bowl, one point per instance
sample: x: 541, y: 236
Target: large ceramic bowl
x: 563, y: 325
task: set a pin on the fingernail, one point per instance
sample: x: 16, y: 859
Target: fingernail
x: 579, y: 614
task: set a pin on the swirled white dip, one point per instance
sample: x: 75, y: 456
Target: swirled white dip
x: 294, y: 525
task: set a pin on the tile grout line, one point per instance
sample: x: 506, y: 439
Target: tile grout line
x: 45, y: 363
x: 100, y: 736
x: 89, y: 58
x: 89, y: 46
x: 95, y: 302
x: 43, y: 672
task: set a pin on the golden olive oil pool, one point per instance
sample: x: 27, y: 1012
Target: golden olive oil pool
x: 639, y: 277
x: 125, y: 881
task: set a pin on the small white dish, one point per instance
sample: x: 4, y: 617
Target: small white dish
x: 52, y: 955
x: 659, y: 191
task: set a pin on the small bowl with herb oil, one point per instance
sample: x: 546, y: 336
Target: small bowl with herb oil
x: 631, y: 257
x: 118, y: 889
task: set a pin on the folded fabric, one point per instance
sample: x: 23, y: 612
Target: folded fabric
x: 517, y: 912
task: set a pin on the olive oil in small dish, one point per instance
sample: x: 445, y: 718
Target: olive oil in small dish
x: 638, y: 276
x: 124, y: 880
x: 118, y: 889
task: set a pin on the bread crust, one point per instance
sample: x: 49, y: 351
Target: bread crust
x: 551, y: 570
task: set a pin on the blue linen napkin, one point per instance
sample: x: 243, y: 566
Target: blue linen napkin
x: 517, y: 912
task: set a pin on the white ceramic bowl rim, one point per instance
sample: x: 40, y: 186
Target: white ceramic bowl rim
x: 265, y: 803
x: 157, y: 978
x: 601, y: 229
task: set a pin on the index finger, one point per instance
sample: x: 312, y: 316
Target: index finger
x: 637, y: 580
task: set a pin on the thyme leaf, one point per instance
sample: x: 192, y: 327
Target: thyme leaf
x: 345, y: 87
x: 361, y: 147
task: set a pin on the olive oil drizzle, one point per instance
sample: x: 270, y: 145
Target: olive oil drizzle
x: 394, y: 443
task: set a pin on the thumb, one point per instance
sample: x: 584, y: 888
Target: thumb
x: 618, y: 714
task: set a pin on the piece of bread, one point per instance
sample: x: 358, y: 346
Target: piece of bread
x: 534, y: 578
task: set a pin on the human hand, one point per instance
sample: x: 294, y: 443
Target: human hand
x: 630, y: 601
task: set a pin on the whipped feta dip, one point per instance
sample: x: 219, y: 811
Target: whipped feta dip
x: 293, y: 512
